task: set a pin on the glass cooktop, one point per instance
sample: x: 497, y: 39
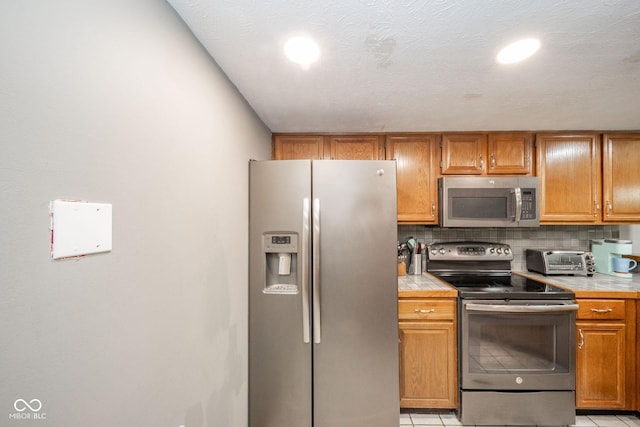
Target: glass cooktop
x: 510, y: 287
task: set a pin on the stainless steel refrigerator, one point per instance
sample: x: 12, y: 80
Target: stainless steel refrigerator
x: 323, y: 329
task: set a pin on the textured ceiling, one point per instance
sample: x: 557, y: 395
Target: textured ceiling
x: 428, y: 65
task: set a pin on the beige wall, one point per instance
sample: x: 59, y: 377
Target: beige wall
x: 115, y: 101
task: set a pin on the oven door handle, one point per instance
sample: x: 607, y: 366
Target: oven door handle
x: 504, y: 308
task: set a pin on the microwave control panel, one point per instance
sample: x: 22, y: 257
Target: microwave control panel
x: 528, y: 203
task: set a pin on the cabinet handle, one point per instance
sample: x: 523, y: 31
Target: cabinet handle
x: 430, y: 310
x: 493, y: 161
x: 597, y: 205
x: 481, y: 162
x: 581, y: 344
x: 602, y: 310
x: 609, y: 207
x: 433, y: 210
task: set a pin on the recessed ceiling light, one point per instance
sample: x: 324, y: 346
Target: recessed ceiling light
x: 302, y: 50
x: 518, y: 51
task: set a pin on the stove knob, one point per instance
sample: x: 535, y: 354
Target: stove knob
x: 499, y: 251
x: 507, y: 251
x: 442, y: 251
x: 491, y: 251
x: 434, y: 251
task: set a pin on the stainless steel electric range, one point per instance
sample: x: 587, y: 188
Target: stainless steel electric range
x: 516, y: 338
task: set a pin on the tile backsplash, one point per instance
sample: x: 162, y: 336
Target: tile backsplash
x: 574, y: 237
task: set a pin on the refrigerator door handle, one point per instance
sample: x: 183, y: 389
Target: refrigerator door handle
x: 304, y: 256
x: 316, y: 271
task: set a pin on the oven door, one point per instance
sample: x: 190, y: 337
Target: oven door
x: 517, y: 344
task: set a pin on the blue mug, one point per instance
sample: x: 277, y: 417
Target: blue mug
x: 623, y: 265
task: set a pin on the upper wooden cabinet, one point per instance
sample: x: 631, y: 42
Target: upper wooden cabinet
x: 585, y: 177
x: 621, y: 177
x: 334, y: 147
x: 356, y: 147
x: 416, y: 160
x: 463, y: 154
x: 298, y: 147
x: 487, y: 154
x: 569, y: 170
x: 510, y: 153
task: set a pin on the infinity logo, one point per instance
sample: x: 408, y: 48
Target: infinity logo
x: 21, y: 405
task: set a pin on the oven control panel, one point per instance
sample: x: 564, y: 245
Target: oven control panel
x: 476, y: 251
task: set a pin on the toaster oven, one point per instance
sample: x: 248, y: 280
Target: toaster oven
x: 555, y: 262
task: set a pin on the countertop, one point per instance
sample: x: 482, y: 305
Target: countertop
x: 424, y: 286
x: 598, y: 286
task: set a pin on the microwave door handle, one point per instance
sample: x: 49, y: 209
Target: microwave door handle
x: 518, y: 195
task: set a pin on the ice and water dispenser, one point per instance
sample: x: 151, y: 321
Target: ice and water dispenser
x: 281, y: 252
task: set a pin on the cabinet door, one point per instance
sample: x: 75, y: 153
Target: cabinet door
x: 428, y: 365
x: 569, y: 171
x: 510, y: 153
x: 415, y: 156
x: 621, y: 177
x: 463, y: 154
x: 298, y: 147
x: 366, y: 147
x: 600, y: 366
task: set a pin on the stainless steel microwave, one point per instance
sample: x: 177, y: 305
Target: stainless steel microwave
x: 478, y: 201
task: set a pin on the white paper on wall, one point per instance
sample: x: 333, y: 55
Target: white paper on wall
x: 80, y: 228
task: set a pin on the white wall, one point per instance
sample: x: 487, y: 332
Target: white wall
x: 115, y: 101
x: 631, y: 232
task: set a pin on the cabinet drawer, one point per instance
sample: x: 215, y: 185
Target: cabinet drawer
x: 601, y: 309
x: 427, y: 309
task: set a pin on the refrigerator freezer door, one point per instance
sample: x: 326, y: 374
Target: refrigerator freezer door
x: 356, y: 360
x: 280, y: 371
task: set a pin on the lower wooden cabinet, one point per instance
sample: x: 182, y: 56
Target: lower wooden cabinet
x: 638, y: 353
x: 605, y: 355
x: 601, y: 366
x: 428, y: 353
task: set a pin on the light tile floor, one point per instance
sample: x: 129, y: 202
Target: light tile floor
x: 420, y: 420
